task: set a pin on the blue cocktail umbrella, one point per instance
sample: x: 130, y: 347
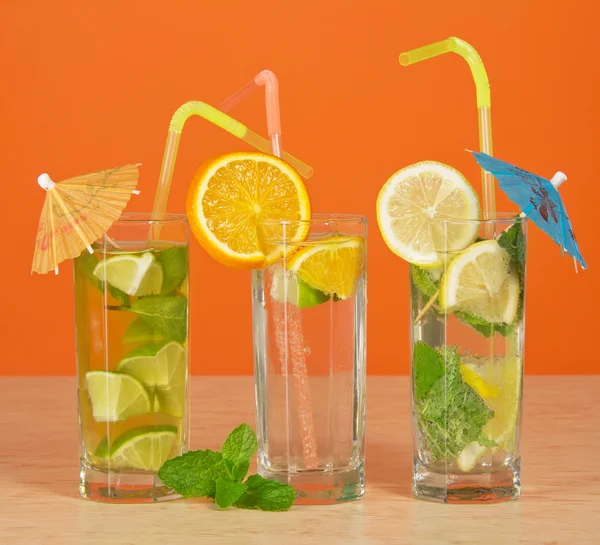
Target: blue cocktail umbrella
x: 538, y: 199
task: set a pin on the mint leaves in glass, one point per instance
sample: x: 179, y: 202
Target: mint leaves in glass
x: 131, y: 312
x: 467, y: 337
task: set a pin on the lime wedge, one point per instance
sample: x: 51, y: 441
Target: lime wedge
x: 146, y: 448
x: 482, y: 282
x: 299, y: 293
x: 163, y: 371
x: 135, y: 275
x: 116, y: 396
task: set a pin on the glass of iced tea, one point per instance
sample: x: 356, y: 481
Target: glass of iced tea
x: 131, y: 323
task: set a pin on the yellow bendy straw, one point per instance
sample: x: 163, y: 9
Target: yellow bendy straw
x: 482, y: 85
x: 219, y: 119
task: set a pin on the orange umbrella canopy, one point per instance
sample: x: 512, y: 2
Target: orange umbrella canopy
x: 79, y: 211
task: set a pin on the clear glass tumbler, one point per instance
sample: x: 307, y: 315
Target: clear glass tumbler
x: 309, y: 312
x: 131, y: 325
x: 467, y: 342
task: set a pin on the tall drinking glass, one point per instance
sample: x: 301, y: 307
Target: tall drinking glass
x: 467, y: 341
x: 131, y: 308
x: 309, y: 312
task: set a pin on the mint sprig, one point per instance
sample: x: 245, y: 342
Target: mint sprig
x: 220, y: 475
x: 451, y: 414
x: 174, y: 263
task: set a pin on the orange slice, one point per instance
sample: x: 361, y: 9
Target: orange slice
x: 232, y: 194
x: 332, y: 266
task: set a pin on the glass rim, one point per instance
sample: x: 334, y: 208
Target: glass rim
x: 501, y: 218
x: 320, y: 218
x: 146, y: 217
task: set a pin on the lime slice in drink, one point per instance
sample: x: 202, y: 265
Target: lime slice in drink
x: 162, y: 370
x: 411, y: 205
x: 146, y: 448
x: 298, y: 293
x: 116, y: 396
x: 135, y: 275
x: 503, y: 426
x: 482, y: 282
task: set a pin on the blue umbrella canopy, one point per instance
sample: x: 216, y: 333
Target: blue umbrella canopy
x: 538, y: 199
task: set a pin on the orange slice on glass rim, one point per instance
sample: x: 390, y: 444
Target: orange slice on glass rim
x: 230, y: 197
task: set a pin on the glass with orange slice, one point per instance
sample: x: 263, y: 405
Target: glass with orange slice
x: 252, y: 211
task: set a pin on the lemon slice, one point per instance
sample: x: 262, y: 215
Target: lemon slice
x: 503, y: 426
x: 482, y: 282
x: 470, y: 455
x: 411, y: 205
x: 135, y: 275
x: 146, y: 448
x: 331, y: 266
x: 230, y: 197
x: 116, y: 396
x: 476, y: 382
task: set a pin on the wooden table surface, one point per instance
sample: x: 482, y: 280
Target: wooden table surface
x: 40, y: 503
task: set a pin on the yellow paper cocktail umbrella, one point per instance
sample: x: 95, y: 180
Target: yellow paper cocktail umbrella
x: 78, y: 211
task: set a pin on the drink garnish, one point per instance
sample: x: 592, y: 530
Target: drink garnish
x: 220, y: 475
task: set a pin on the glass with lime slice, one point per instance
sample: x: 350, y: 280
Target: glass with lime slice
x: 132, y: 357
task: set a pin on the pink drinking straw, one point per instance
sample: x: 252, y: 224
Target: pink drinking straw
x: 291, y: 349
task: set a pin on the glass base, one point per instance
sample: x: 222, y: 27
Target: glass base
x: 322, y: 486
x: 122, y: 487
x: 492, y: 487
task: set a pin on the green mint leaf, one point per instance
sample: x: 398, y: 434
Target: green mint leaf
x: 119, y: 295
x: 265, y: 494
x: 88, y: 263
x: 513, y: 241
x: 237, y: 470
x: 166, y: 315
x: 428, y: 367
x: 426, y: 281
x: 174, y: 262
x: 482, y: 326
x: 139, y: 331
x: 194, y: 474
x: 240, y: 470
x: 227, y: 492
x: 240, y: 444
x: 452, y: 414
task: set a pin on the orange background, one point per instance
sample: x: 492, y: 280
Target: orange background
x: 92, y: 85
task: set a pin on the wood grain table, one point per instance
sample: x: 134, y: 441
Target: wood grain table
x: 560, y: 504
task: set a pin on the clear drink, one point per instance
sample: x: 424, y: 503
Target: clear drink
x: 131, y: 304
x: 467, y: 367
x: 309, y: 342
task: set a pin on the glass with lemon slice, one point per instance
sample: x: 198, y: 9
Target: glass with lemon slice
x: 467, y: 278
x: 131, y: 304
x: 309, y: 344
